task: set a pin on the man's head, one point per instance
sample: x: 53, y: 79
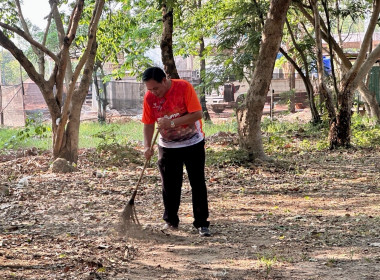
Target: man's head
x: 155, y: 81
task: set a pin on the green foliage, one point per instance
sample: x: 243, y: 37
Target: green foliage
x: 286, y: 96
x: 365, y: 131
x: 226, y: 157
x: 120, y: 132
x: 8, y: 13
x: 281, y: 137
x: 211, y: 128
x: 239, y: 36
x: 34, y: 130
x: 114, y: 151
x: 10, y: 69
x: 268, y: 263
x: 126, y: 31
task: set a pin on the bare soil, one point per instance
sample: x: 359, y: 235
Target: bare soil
x: 307, y: 216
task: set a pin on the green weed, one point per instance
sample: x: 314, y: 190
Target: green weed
x: 268, y: 263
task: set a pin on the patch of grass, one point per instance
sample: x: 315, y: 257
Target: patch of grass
x: 365, y: 131
x: 211, y: 128
x: 34, y: 134
x: 90, y: 134
x: 225, y: 157
x: 283, y: 137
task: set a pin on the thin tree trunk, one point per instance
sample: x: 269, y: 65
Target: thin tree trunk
x: 322, y: 87
x: 98, y: 95
x: 104, y: 101
x: 167, y: 43
x: 61, y: 38
x: 206, y: 115
x: 309, y: 87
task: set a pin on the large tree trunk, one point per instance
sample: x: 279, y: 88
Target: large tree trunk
x: 167, y: 43
x: 69, y: 146
x: 340, y: 130
x: 249, y: 118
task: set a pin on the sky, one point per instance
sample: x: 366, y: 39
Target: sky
x: 35, y: 11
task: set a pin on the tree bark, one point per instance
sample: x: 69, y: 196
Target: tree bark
x: 249, y: 115
x: 167, y: 43
x: 206, y: 115
x: 61, y: 38
x: 322, y: 87
x: 101, y: 93
x: 69, y: 147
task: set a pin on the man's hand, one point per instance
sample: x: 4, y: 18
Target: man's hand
x: 164, y: 123
x: 148, y: 153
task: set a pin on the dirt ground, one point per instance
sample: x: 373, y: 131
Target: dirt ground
x: 307, y: 216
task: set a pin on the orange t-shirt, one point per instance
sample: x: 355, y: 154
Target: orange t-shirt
x: 180, y: 100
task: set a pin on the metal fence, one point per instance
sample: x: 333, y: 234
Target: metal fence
x: 12, y: 106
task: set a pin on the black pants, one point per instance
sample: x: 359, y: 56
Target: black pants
x: 170, y: 163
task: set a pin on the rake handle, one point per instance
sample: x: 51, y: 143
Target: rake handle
x: 131, y: 201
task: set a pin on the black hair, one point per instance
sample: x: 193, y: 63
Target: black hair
x: 155, y: 73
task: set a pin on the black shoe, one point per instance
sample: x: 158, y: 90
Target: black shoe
x: 204, y: 231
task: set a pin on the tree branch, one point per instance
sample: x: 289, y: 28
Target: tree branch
x: 30, y: 40
x: 19, y: 55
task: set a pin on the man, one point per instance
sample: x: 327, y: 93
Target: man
x: 174, y: 105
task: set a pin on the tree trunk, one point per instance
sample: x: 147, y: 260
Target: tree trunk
x: 305, y: 76
x: 167, y: 43
x: 322, y: 87
x: 249, y: 116
x: 69, y: 146
x: 101, y: 93
x: 340, y: 131
x: 292, y: 77
x: 206, y: 115
x: 373, y: 109
x: 101, y: 118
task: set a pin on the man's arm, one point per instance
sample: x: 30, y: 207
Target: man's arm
x: 148, y: 135
x: 189, y: 118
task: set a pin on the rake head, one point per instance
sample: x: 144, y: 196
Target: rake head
x: 128, y: 217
